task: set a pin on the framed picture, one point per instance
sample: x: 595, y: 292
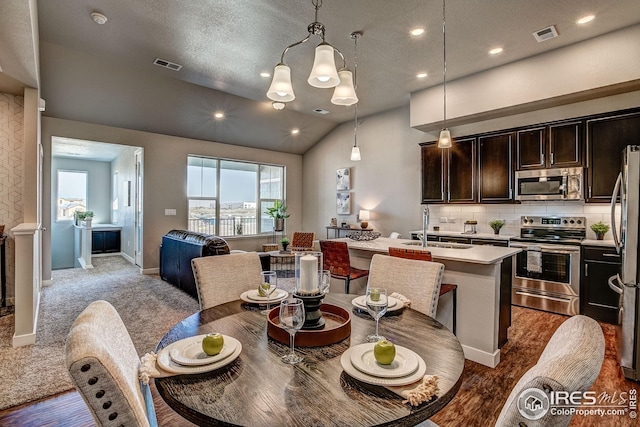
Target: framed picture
x: 343, y: 203
x: 343, y: 179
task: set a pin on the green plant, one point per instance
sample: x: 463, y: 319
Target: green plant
x: 81, y: 216
x: 278, y: 210
x: 285, y: 241
x: 600, y: 228
x: 496, y: 224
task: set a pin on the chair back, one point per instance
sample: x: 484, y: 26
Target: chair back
x: 335, y: 257
x: 417, y: 280
x: 103, y: 364
x: 302, y: 241
x: 570, y: 362
x: 408, y: 253
x: 222, y: 278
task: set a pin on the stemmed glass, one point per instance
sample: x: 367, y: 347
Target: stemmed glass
x: 377, y: 304
x: 268, y: 285
x: 292, y: 319
x: 324, y: 281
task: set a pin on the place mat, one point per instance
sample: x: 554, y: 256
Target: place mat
x: 345, y: 361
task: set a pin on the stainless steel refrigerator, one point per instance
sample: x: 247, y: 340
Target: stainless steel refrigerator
x: 624, y: 227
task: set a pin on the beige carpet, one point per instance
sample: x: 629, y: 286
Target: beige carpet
x: 148, y: 306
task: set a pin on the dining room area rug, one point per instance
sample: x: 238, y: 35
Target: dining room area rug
x: 149, y: 307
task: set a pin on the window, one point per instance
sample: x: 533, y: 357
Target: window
x: 229, y: 198
x: 72, y: 194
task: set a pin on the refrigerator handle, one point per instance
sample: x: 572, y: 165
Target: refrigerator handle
x: 614, y: 228
x: 613, y: 287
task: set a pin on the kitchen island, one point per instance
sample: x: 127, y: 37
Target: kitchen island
x: 483, y: 275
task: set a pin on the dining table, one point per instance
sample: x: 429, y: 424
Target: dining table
x: 258, y: 389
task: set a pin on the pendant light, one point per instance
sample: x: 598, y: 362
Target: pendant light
x: 355, y: 151
x: 444, y: 141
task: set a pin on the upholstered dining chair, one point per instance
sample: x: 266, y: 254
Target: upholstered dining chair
x: 445, y: 288
x: 103, y: 364
x: 335, y: 257
x: 302, y: 241
x: 222, y: 278
x: 417, y: 280
x: 570, y: 362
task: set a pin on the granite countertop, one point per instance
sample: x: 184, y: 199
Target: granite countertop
x: 474, y: 254
x: 605, y: 243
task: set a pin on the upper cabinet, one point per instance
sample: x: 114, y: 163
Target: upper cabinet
x: 449, y: 175
x: 606, y: 138
x: 495, y: 158
x: 553, y: 146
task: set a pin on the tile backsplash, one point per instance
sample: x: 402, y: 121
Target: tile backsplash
x: 456, y: 215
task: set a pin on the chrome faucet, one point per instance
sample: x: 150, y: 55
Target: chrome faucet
x: 425, y: 224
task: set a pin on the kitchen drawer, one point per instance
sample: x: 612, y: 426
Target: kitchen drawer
x: 600, y: 253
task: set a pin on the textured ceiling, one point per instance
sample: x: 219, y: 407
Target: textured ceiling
x: 223, y: 46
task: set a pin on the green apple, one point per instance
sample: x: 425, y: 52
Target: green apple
x: 384, y: 351
x: 212, y: 344
x: 263, y: 289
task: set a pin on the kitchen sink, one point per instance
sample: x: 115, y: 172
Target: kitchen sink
x: 447, y: 245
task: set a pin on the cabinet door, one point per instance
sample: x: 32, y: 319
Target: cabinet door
x: 597, y: 299
x: 530, y: 148
x: 565, y: 148
x: 495, y: 155
x: 432, y: 173
x: 112, y: 241
x: 462, y: 171
x: 606, y: 138
x: 97, y: 242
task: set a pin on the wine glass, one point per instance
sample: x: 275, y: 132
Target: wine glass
x: 292, y: 319
x: 268, y: 285
x: 377, y: 304
x: 324, y: 281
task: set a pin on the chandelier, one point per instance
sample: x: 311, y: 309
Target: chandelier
x: 444, y: 140
x: 323, y: 74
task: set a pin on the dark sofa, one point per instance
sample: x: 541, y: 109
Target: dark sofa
x: 179, y: 247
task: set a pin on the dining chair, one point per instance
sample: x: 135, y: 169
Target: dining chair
x: 570, y: 362
x: 222, y: 278
x: 417, y: 280
x: 302, y: 241
x: 103, y: 364
x: 336, y: 259
x: 445, y: 288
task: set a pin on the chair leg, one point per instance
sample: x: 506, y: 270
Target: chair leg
x: 346, y: 285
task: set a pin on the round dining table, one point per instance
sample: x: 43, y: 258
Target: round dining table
x: 258, y: 389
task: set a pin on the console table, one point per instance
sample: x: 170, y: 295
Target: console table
x: 338, y: 229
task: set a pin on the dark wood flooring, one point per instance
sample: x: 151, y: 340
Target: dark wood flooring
x: 478, y: 402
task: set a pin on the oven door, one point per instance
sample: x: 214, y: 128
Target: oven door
x: 548, y: 268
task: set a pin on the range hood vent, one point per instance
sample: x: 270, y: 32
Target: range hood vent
x: 167, y: 64
x: 546, y: 34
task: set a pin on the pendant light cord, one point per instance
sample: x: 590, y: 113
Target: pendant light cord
x: 444, y: 62
x: 355, y: 36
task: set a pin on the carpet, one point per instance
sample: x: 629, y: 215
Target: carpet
x: 149, y: 307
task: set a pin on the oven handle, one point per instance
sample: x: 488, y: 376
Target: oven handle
x: 549, y: 250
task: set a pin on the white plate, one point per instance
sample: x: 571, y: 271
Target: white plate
x: 405, y: 362
x: 281, y: 294
x: 189, y: 351
x: 165, y: 362
x: 393, y: 303
x: 348, y: 367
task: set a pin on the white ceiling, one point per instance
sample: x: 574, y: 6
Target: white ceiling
x: 223, y: 46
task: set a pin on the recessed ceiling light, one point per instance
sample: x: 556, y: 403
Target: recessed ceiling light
x: 417, y: 31
x: 265, y: 75
x: 585, y: 19
x: 98, y: 18
x: 219, y: 115
x: 496, y: 50
x: 421, y: 75
x: 295, y: 131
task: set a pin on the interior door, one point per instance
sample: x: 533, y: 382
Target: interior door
x: 138, y: 205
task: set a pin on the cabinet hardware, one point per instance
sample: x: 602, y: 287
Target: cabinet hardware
x: 542, y: 159
x: 589, y: 191
x: 611, y: 255
x: 586, y: 270
x: 551, y: 158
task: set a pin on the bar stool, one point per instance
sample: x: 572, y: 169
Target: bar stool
x: 336, y: 259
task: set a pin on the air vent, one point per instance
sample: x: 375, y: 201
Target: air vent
x: 320, y: 111
x: 167, y: 64
x: 546, y: 34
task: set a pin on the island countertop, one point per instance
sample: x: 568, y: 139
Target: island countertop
x: 475, y: 254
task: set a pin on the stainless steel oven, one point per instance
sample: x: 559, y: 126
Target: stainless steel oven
x: 546, y: 274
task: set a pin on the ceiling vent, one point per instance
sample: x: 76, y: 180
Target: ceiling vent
x: 546, y: 34
x: 167, y: 64
x: 321, y: 111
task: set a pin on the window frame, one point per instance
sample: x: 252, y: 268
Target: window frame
x: 86, y: 195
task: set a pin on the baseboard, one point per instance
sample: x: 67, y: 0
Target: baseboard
x: 150, y: 271
x: 481, y: 357
x: 28, y: 339
x: 128, y: 258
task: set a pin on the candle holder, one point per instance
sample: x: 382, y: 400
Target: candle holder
x: 308, y: 266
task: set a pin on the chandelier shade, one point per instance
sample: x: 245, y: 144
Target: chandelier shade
x: 355, y: 154
x: 345, y: 92
x: 281, y: 89
x: 444, y: 141
x: 323, y: 74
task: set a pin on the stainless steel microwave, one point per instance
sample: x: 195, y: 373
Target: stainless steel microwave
x: 549, y: 184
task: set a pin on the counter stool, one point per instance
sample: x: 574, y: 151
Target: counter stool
x: 336, y: 259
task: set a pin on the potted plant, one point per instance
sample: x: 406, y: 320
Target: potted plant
x: 278, y: 212
x: 496, y: 224
x: 600, y: 229
x: 86, y: 216
x: 285, y: 243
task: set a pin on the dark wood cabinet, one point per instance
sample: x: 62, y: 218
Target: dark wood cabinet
x: 606, y: 138
x: 105, y: 241
x: 489, y: 242
x: 597, y: 299
x: 554, y: 146
x: 449, y: 175
x: 495, y: 158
